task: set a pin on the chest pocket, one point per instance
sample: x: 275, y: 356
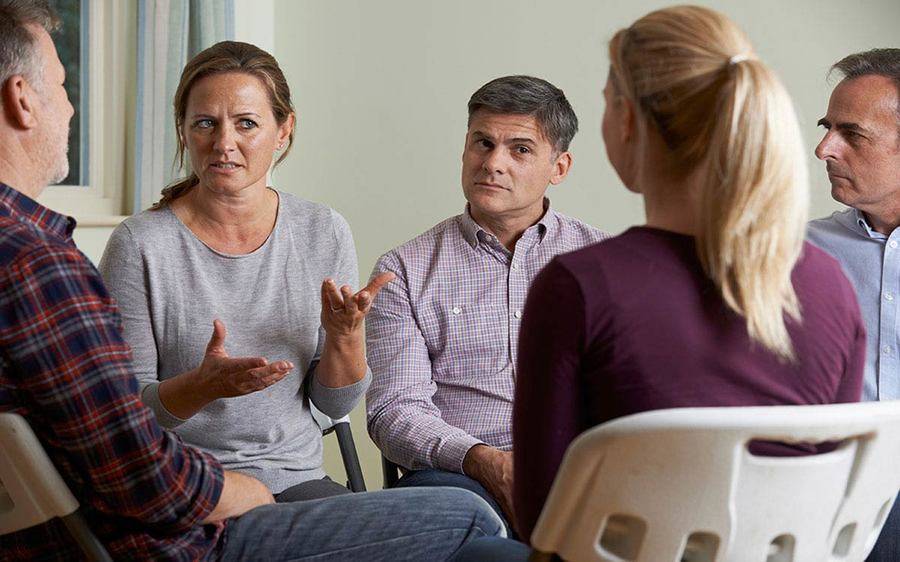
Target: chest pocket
x: 465, y: 340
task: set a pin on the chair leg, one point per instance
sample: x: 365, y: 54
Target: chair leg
x: 91, y: 546
x: 350, y: 458
x: 391, y: 472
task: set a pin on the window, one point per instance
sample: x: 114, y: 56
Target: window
x: 96, y: 46
x: 71, y: 46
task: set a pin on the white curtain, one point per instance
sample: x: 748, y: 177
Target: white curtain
x: 170, y: 32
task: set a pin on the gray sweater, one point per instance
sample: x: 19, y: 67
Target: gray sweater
x: 170, y: 286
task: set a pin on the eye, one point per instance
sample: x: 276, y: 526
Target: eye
x: 247, y: 124
x: 484, y: 143
x: 203, y: 123
x: 522, y: 149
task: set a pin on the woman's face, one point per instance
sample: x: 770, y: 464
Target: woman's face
x: 618, y: 133
x: 230, y: 132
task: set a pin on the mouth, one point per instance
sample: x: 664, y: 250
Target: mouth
x: 485, y: 185
x: 224, y: 167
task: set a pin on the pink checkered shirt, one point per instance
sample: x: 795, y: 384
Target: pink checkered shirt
x: 442, y: 338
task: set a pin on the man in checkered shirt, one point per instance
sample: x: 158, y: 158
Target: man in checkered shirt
x: 65, y: 368
x: 442, y: 338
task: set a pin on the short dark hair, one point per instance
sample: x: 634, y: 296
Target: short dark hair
x: 876, y: 62
x: 18, y: 54
x: 527, y: 95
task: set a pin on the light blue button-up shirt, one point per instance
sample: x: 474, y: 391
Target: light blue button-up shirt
x: 871, y: 261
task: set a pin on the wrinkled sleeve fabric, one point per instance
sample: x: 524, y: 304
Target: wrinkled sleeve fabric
x: 337, y: 402
x: 402, y: 417
x: 61, y: 338
x: 551, y: 346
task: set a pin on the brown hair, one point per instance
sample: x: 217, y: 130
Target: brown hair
x: 693, y: 76
x: 227, y: 56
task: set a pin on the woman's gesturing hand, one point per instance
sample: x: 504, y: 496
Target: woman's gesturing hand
x: 221, y: 376
x: 342, y: 311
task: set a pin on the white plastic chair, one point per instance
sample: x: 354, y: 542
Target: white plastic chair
x: 680, y: 486
x: 32, y: 491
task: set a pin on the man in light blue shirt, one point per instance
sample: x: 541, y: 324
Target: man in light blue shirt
x: 861, y: 151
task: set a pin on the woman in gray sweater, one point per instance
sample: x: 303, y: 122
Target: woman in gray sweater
x: 223, y: 249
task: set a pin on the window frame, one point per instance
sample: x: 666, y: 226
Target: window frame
x: 111, y: 91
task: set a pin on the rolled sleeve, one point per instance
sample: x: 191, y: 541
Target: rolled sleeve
x: 150, y: 398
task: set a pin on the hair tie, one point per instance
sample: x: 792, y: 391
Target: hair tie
x: 737, y: 58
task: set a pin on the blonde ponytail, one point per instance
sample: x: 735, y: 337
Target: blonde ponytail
x: 692, y: 75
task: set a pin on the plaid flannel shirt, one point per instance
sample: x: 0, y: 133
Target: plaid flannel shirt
x: 65, y: 367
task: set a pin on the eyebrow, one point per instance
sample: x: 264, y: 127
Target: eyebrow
x: 244, y: 114
x: 843, y: 126
x: 516, y: 140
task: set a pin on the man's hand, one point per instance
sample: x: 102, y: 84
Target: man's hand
x: 493, y: 469
x: 240, y: 494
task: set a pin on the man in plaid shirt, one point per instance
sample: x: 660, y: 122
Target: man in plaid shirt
x: 65, y: 368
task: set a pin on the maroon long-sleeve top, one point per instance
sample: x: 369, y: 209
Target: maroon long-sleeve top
x: 633, y: 324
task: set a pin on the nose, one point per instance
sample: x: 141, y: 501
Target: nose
x: 494, y: 162
x: 224, y: 140
x: 827, y: 147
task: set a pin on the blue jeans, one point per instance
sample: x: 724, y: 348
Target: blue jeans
x: 493, y: 549
x: 422, y: 524
x: 435, y: 477
x: 887, y: 549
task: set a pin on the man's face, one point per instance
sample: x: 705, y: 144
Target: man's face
x: 861, y: 147
x: 508, y: 165
x: 54, y: 110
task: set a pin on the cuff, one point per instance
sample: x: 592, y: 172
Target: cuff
x: 451, y: 454
x: 337, y: 402
x: 165, y: 418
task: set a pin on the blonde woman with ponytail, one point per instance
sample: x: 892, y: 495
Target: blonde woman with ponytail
x: 716, y: 300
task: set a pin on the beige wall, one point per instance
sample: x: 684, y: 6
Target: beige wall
x: 381, y: 88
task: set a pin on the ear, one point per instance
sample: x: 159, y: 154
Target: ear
x: 628, y: 121
x: 561, y: 167
x: 285, y: 129
x: 19, y: 102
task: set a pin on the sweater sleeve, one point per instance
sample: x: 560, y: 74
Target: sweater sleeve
x: 550, y: 352
x: 125, y: 275
x: 338, y: 402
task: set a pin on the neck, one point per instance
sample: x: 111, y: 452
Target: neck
x: 508, y: 228
x: 883, y: 222
x: 671, y: 204
x: 238, y: 211
x: 16, y: 170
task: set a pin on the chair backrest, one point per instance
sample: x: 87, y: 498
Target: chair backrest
x: 31, y: 490
x: 681, y: 485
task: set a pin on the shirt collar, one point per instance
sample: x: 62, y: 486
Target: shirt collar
x: 856, y: 221
x: 473, y: 232
x: 19, y: 206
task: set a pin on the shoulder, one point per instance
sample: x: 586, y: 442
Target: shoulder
x: 309, y: 217
x: 33, y: 262
x: 577, y: 231
x: 424, y: 247
x: 833, y: 229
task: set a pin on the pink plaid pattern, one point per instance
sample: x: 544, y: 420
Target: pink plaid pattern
x: 442, y: 338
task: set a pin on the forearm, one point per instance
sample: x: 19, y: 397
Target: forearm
x: 182, y: 397
x: 343, y: 360
x: 240, y: 494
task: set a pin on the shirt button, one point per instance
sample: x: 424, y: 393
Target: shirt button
x: 888, y: 297
x: 892, y: 243
x: 516, y: 266
x: 886, y: 350
x: 456, y: 310
x: 518, y: 314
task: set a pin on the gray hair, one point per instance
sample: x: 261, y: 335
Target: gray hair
x: 18, y: 52
x: 877, y: 62
x: 527, y: 95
